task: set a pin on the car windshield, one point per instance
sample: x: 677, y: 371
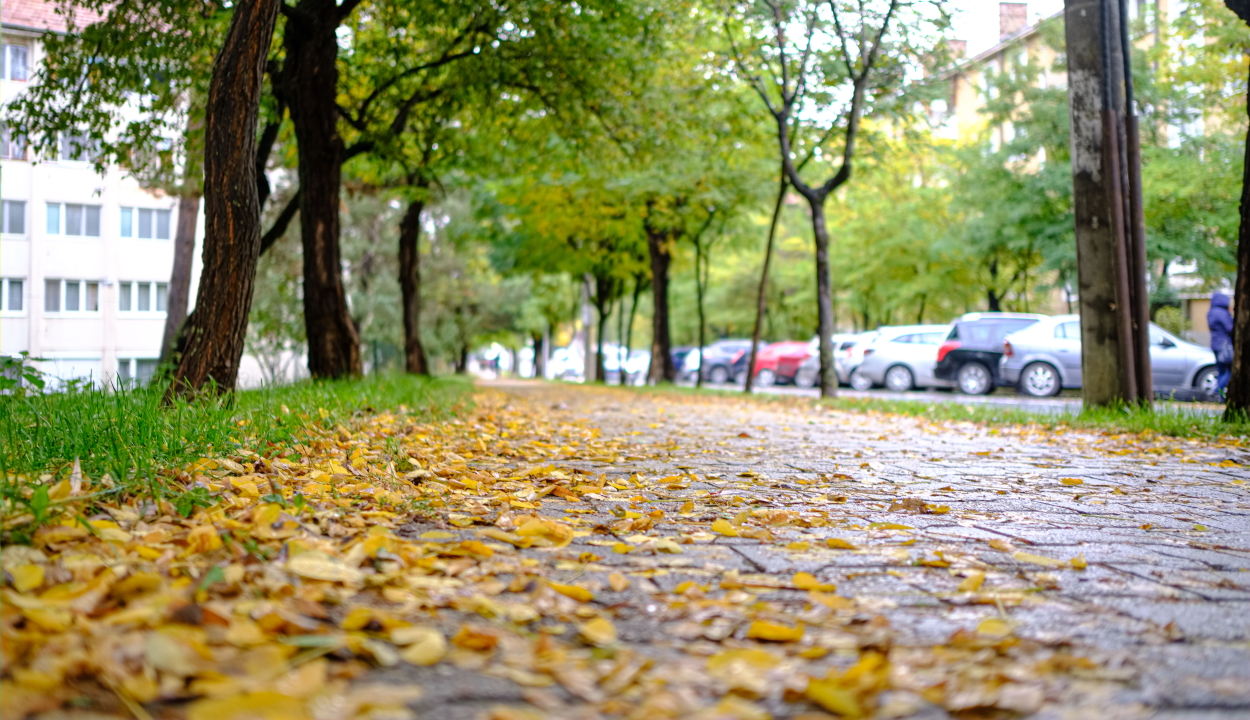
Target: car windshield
x: 988, y: 331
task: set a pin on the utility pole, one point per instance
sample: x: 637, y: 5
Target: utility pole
x: 1106, y: 185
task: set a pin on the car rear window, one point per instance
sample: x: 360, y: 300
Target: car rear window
x: 988, y: 331
x: 934, y: 338
x: 1068, y: 330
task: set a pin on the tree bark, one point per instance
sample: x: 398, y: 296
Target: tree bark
x: 662, y: 369
x: 1238, y: 392
x: 699, y: 261
x: 761, y: 296
x: 311, y: 91
x: 633, y: 311
x: 824, y: 302
x: 540, y: 359
x: 212, y: 342
x: 180, y: 277
x: 410, y: 288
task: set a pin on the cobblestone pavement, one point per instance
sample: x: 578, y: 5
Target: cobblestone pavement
x: 1006, y: 572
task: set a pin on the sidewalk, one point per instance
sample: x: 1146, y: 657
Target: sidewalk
x: 1062, y: 576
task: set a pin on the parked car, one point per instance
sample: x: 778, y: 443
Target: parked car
x: 638, y: 367
x: 973, y: 348
x: 717, y: 360
x: 1043, y: 359
x: 848, y: 352
x: 902, y: 358
x: 679, y: 354
x: 779, y: 362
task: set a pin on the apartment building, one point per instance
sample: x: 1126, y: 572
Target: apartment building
x: 85, y: 258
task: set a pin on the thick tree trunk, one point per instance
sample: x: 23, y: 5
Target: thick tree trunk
x: 824, y: 302
x: 311, y: 91
x: 180, y: 278
x: 699, y: 261
x: 1238, y: 392
x: 761, y: 296
x: 212, y: 342
x: 410, y: 288
x: 662, y: 369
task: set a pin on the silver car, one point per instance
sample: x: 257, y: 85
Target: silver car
x: 1045, y: 358
x: 848, y: 352
x: 902, y: 358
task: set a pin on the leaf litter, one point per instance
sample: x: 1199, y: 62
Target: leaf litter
x: 480, y: 545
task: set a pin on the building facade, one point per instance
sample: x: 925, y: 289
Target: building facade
x: 85, y: 258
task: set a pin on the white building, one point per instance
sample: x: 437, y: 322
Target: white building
x: 85, y: 259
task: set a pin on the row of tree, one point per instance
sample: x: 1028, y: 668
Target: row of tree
x: 530, y: 151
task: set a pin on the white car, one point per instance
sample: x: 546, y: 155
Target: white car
x: 902, y: 358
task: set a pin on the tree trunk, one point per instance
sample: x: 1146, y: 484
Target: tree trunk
x: 180, y: 278
x: 824, y: 301
x: 212, y: 342
x: 633, y: 311
x: 622, y: 350
x: 311, y: 91
x: 761, y: 296
x: 662, y: 369
x: 699, y: 260
x: 410, y: 288
x: 540, y: 359
x: 1238, y: 392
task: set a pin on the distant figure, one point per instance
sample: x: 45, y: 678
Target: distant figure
x: 1220, y: 321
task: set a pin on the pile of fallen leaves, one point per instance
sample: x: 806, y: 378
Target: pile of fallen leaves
x: 293, y: 579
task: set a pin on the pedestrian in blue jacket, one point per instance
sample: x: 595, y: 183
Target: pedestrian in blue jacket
x: 1220, y: 322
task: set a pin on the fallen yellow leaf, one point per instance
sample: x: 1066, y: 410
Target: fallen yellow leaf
x: 724, y: 527
x: 598, y: 631
x: 580, y: 594
x: 776, y: 632
x: 808, y: 581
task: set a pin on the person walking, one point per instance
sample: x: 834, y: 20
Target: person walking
x: 1220, y: 322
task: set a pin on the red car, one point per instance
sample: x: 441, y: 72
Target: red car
x: 779, y: 362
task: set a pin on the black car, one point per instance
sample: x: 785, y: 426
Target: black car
x: 972, y: 351
x: 718, y: 360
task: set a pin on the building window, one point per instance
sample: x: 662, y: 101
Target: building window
x: 12, y: 295
x: 78, y: 147
x: 71, y: 296
x: 135, y: 372
x: 11, y: 148
x: 146, y: 223
x: 14, y: 62
x: 142, y: 297
x: 14, y: 220
x: 72, y: 219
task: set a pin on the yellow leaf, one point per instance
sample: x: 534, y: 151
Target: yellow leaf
x: 423, y: 645
x: 557, y: 533
x: 618, y: 582
x: 202, y: 539
x: 994, y: 627
x: 724, y: 527
x: 249, y: 706
x: 477, y: 638
x: 808, y: 581
x: 888, y: 526
x: 27, y: 577
x: 53, y: 620
x: 437, y: 535
x: 1078, y: 562
x: 742, y: 668
x: 1072, y: 481
x: 973, y: 582
x: 687, y: 508
x: 580, y: 594
x: 319, y: 566
x: 799, y: 546
x: 1000, y: 544
x: 598, y: 631
x: 834, y: 697
x: 833, y: 602
x: 839, y: 544
x: 765, y: 630
x: 1037, y: 559
x: 622, y: 548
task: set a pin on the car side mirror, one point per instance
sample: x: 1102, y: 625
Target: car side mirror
x: 1164, y: 342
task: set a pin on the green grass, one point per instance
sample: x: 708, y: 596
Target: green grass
x: 135, y: 438
x: 1168, y: 419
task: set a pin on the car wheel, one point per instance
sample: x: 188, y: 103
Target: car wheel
x: 719, y: 375
x: 765, y: 378
x: 1040, y: 379
x: 899, y: 379
x: 806, y: 378
x: 975, y: 379
x: 1207, y: 380
x: 859, y: 381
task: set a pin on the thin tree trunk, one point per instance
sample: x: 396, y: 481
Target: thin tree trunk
x: 698, y: 291
x: 761, y: 297
x: 622, y: 350
x: 180, y: 278
x: 633, y: 310
x: 824, y: 302
x: 603, y: 307
x: 1238, y: 391
x: 312, y: 92
x: 410, y: 288
x: 662, y: 369
x: 212, y: 342
x: 540, y: 359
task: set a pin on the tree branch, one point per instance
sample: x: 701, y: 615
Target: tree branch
x: 280, y: 225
